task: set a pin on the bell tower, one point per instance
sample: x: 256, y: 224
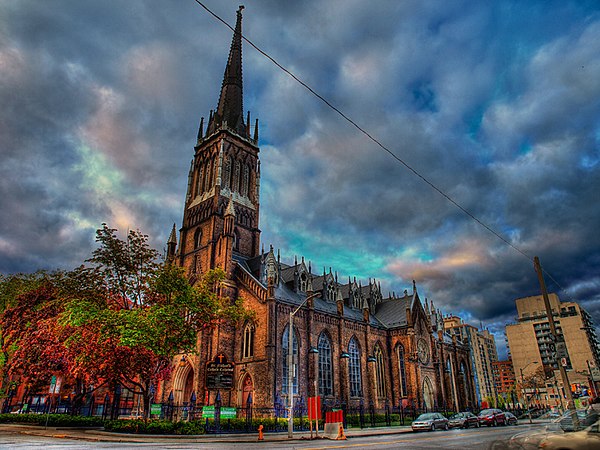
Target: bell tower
x: 220, y: 217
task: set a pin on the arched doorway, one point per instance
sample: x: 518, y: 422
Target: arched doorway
x: 183, y: 383
x: 427, y: 393
x: 247, y: 389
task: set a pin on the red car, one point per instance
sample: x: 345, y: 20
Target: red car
x: 492, y: 417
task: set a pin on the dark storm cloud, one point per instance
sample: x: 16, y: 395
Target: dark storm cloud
x: 496, y: 105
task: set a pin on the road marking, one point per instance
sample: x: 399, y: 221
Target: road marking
x: 371, y: 444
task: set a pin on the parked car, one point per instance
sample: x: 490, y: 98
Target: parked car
x: 430, y: 421
x: 463, y: 420
x: 586, y: 439
x: 492, y: 417
x: 511, y: 419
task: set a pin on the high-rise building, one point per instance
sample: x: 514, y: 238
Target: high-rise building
x: 504, y: 379
x: 482, y: 347
x: 532, y: 346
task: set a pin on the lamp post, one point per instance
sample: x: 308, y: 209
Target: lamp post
x: 291, y: 366
x: 523, y: 388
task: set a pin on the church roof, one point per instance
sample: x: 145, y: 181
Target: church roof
x: 392, y: 312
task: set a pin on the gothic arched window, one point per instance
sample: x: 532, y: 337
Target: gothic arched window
x: 227, y: 173
x: 235, y: 181
x: 245, y: 180
x: 200, y: 181
x: 236, y: 240
x: 207, y: 176
x: 379, y: 372
x: 197, y: 238
x: 248, y: 341
x: 402, y: 370
x: 284, y: 361
x: 325, y: 366
x: 354, y: 369
x: 303, y: 281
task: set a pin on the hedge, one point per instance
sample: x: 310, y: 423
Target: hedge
x: 54, y: 420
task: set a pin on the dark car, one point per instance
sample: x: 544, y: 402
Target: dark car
x: 430, y: 421
x: 492, y: 417
x: 463, y: 420
x: 511, y: 419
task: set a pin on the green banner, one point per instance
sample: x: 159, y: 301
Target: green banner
x: 227, y: 412
x: 156, y: 408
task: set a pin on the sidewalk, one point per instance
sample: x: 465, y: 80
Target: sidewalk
x: 98, y: 435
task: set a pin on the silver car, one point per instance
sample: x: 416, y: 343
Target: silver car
x: 430, y: 421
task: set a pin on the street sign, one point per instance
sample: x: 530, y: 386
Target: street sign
x: 563, y: 362
x: 156, y: 409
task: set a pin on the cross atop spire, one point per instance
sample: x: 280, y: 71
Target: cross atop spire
x: 230, y: 110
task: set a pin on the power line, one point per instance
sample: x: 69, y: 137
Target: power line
x: 376, y: 141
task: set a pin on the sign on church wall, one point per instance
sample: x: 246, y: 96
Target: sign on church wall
x: 219, y: 373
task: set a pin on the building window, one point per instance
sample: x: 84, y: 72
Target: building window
x: 248, y: 341
x: 354, y: 369
x: 245, y: 181
x: 303, y: 281
x: 227, y: 173
x: 284, y: 359
x: 197, y: 238
x: 325, y: 366
x: 379, y: 372
x: 402, y: 369
x: 235, y: 182
x: 236, y: 240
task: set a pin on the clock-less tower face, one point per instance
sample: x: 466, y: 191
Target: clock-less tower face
x: 423, y: 351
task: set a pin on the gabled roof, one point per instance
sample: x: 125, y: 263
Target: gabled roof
x: 392, y: 311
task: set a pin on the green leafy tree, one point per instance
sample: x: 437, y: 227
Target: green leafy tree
x: 148, y: 314
x: 119, y: 320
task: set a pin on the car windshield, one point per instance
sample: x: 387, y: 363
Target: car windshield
x: 458, y: 416
x: 428, y: 416
x: 485, y: 412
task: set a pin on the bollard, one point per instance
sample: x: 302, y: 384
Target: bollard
x: 341, y: 436
x: 260, y: 433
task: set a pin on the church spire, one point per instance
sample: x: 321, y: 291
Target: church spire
x: 230, y: 108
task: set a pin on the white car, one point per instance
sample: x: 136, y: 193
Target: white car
x: 430, y: 421
x: 586, y: 439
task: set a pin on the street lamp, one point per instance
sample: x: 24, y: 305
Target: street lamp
x: 291, y: 366
x: 523, y: 388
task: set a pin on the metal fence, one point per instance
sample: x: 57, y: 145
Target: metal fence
x: 222, y: 419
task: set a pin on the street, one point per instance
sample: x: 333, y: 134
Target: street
x: 481, y: 438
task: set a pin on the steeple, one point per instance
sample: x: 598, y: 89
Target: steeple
x: 221, y: 211
x: 172, y: 244
x: 230, y: 110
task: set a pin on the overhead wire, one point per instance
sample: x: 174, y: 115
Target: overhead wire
x: 379, y: 144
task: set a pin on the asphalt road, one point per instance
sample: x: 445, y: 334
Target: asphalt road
x: 481, y: 438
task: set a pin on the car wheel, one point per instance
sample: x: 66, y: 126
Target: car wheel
x: 433, y: 427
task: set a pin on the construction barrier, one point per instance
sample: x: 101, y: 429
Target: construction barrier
x: 334, y: 425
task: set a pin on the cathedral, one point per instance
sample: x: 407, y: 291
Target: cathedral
x: 350, y: 344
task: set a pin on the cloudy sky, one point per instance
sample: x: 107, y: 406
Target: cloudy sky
x: 495, y: 103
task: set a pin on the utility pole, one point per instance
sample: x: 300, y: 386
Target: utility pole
x: 562, y: 369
